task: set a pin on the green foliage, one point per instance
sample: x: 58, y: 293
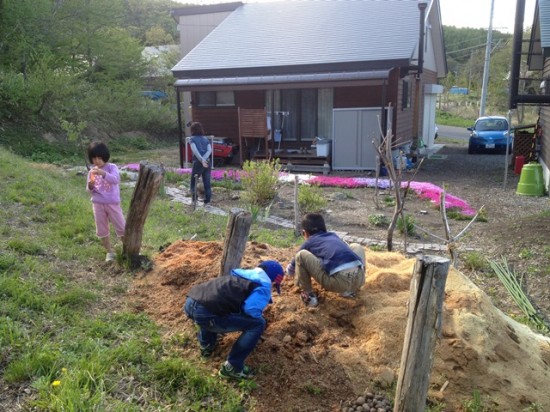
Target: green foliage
x: 313, y: 389
x: 389, y: 201
x: 475, y: 261
x: 78, y: 63
x: 406, y: 225
x: 260, y: 182
x: 510, y: 280
x: 379, y: 220
x: 475, y: 404
x: 311, y: 199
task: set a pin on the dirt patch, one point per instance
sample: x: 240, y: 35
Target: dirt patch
x: 318, y: 359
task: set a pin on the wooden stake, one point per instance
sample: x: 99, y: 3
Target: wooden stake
x: 147, y: 186
x: 236, y: 236
x: 423, y: 328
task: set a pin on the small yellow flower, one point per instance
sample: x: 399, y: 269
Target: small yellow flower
x: 56, y: 383
x: 64, y: 370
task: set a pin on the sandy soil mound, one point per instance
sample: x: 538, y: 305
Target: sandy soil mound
x: 315, y: 359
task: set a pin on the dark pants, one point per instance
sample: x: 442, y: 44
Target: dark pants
x: 204, y: 172
x: 211, y: 325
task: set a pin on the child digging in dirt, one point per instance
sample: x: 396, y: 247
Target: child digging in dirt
x: 103, y: 183
x: 329, y: 260
x: 233, y: 303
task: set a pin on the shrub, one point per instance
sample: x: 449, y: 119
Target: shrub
x: 475, y: 261
x: 379, y: 220
x: 311, y: 199
x: 260, y: 181
x: 406, y: 225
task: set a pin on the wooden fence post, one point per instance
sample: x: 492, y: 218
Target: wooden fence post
x: 147, y: 186
x: 425, y: 309
x: 236, y: 236
x: 297, y: 223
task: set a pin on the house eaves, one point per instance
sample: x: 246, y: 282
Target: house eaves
x: 284, y: 81
x: 270, y: 38
x: 197, y: 10
x: 539, y: 45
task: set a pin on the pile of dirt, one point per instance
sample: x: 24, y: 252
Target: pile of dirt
x: 319, y: 359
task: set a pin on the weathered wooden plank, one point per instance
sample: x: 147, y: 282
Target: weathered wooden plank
x: 236, y: 236
x: 147, y: 186
x: 423, y: 328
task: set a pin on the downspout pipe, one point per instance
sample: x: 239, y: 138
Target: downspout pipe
x: 516, y: 53
x: 180, y: 128
x: 418, y: 89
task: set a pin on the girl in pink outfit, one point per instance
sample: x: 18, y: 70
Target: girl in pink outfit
x: 103, y: 184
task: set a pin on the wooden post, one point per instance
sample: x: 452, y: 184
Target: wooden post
x: 236, y: 236
x: 147, y: 186
x: 297, y: 222
x: 423, y: 328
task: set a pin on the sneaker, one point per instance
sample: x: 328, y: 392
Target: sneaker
x: 207, y: 351
x: 110, y: 257
x: 310, y: 299
x: 229, y: 372
x: 348, y: 294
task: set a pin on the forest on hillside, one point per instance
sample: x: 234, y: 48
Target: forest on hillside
x: 70, y: 67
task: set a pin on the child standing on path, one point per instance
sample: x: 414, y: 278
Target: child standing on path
x: 202, y: 149
x: 103, y: 183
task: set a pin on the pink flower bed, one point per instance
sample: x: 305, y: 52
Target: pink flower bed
x: 423, y: 189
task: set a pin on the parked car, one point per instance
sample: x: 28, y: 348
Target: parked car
x: 489, y: 134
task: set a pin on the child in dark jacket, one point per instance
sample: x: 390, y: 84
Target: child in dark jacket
x: 234, y: 303
x: 335, y: 265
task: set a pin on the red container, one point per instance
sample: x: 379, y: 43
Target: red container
x: 520, y: 160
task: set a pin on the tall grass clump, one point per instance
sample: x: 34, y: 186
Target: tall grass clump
x: 509, y: 279
x: 406, y: 225
x: 260, y: 182
x: 311, y: 199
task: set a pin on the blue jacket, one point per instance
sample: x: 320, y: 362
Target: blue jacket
x: 260, y: 297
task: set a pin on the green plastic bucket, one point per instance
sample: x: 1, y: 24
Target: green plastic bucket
x: 530, y: 181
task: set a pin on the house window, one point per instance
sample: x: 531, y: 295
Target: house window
x: 407, y: 94
x: 214, y: 99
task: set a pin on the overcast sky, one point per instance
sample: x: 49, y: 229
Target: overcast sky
x: 459, y: 13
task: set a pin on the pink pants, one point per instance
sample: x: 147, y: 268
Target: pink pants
x: 105, y: 213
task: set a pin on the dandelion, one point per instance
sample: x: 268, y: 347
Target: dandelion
x: 56, y: 383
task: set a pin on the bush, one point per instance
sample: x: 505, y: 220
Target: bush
x: 260, y: 181
x: 379, y: 220
x: 406, y: 225
x: 311, y: 199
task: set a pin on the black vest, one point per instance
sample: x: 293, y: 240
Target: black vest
x: 223, y: 295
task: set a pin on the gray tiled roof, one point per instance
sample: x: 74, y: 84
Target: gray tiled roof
x: 301, y: 33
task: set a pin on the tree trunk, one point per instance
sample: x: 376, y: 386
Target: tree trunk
x: 147, y: 186
x: 423, y: 327
x: 236, y: 236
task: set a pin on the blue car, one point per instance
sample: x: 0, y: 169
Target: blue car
x: 490, y: 134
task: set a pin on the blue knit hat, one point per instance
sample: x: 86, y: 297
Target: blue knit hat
x: 275, y: 271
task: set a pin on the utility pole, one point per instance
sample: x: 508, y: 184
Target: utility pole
x: 487, y: 63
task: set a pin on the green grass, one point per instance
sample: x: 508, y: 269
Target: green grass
x: 60, y: 335
x: 448, y: 119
